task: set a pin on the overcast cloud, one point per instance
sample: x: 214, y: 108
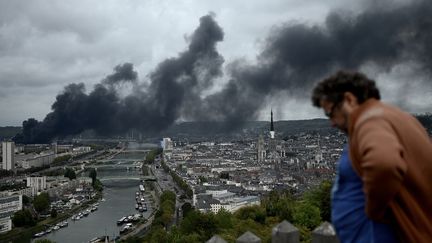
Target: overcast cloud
x: 47, y: 45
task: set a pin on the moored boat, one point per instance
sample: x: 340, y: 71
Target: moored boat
x: 121, y: 220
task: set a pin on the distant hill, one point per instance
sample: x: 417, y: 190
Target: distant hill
x: 248, y: 130
x: 9, y: 132
x: 252, y: 129
x: 299, y: 126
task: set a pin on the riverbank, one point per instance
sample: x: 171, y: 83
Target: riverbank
x: 143, y: 226
x: 18, y: 235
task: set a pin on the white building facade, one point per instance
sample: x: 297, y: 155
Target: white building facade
x: 38, y: 161
x: 8, y: 152
x: 37, y: 184
x: 8, y: 206
x: 235, y: 204
x: 167, y: 146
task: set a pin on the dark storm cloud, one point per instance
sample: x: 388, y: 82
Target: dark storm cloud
x: 293, y: 58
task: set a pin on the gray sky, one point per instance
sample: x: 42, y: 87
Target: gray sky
x: 46, y: 45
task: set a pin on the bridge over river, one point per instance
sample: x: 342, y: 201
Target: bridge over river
x: 123, y: 177
x: 124, y: 164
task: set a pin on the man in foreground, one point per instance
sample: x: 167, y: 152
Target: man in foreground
x: 389, y: 149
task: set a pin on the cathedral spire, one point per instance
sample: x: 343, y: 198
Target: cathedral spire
x: 271, y: 121
x: 272, y: 132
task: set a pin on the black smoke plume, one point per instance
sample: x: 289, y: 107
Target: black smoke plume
x: 174, y: 86
x: 122, y: 73
x: 294, y: 57
x: 297, y: 55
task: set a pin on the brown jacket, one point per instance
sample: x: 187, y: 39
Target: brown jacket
x: 392, y: 153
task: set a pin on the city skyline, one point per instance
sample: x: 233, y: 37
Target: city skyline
x: 47, y: 46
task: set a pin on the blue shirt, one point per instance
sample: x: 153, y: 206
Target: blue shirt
x: 348, y: 208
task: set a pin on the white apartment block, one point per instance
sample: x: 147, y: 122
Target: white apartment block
x: 8, y: 206
x: 37, y: 184
x: 8, y: 152
x: 38, y: 161
x: 25, y: 191
x: 167, y: 146
x: 235, y: 204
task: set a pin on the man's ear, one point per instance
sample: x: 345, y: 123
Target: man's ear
x: 351, y: 99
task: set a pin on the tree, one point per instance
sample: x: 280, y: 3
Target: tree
x: 159, y: 234
x: 150, y: 157
x: 306, y: 215
x: 168, y: 195
x: 224, y: 219
x: 133, y: 239
x: 320, y: 197
x: 53, y: 213
x: 93, y: 175
x: 204, y: 224
x: 186, y: 208
x: 23, y: 218
x: 59, y: 160
x: 166, y: 219
x: 190, y: 238
x: 6, y: 173
x: 202, y: 179
x: 280, y: 204
x: 98, y: 185
x: 70, y: 173
x: 41, y: 202
x: 256, y: 213
x: 25, y: 200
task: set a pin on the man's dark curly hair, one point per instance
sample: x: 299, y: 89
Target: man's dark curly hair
x: 332, y: 89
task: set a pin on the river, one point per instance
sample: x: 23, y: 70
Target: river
x: 118, y: 201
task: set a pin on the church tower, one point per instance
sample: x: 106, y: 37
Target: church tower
x: 272, y: 132
x: 274, y: 157
x: 272, y: 142
x: 260, y: 149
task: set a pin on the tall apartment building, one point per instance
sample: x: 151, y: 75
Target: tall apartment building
x: 167, y: 146
x: 8, y: 206
x: 37, y: 184
x: 8, y: 151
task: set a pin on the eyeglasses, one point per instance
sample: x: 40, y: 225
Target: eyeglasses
x: 330, y: 113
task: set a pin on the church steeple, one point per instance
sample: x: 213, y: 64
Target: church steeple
x: 271, y: 121
x: 272, y: 132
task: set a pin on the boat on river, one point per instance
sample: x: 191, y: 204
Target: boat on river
x: 126, y: 228
x: 63, y: 224
x: 121, y: 220
x: 40, y: 234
